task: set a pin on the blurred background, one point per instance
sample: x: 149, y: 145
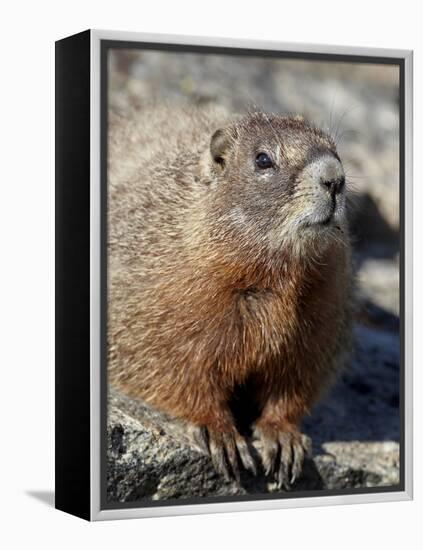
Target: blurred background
x: 358, y: 424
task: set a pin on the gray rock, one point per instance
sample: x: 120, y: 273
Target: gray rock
x: 379, y: 283
x: 355, y: 433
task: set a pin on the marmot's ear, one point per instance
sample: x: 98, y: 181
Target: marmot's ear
x: 220, y: 144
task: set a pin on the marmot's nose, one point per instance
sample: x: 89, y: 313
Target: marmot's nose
x: 334, y: 185
x: 326, y: 173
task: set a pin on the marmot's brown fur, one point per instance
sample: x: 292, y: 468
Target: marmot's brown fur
x: 229, y: 267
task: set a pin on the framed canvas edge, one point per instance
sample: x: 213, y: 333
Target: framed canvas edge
x: 95, y: 277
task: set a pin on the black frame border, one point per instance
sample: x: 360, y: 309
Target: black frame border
x: 72, y: 275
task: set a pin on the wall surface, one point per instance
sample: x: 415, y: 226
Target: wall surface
x: 27, y: 293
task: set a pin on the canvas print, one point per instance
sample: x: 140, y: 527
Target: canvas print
x: 252, y: 325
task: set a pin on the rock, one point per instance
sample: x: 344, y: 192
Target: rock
x: 152, y: 464
x: 355, y: 433
x: 379, y: 283
x: 359, y: 464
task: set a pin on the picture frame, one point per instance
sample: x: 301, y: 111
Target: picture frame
x: 82, y: 437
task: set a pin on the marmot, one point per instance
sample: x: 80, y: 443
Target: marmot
x: 229, y: 267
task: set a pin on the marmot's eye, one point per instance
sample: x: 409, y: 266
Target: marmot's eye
x: 263, y: 161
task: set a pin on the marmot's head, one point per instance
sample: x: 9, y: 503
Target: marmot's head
x: 276, y: 181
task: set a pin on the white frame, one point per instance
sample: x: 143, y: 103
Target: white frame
x: 183, y: 509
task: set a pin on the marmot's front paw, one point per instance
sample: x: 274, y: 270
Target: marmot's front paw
x: 225, y: 449
x: 282, y: 454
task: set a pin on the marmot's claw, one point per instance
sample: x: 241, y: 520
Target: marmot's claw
x: 299, y: 451
x: 226, y: 450
x: 223, y: 455
x: 269, y: 454
x: 283, y: 455
x: 198, y: 438
x: 245, y: 455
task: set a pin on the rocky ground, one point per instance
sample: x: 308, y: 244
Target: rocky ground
x: 356, y: 428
